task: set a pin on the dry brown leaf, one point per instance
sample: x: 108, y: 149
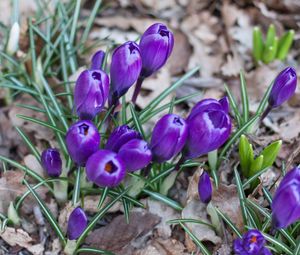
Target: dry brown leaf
x: 118, y: 235
x: 126, y: 23
x: 154, y: 86
x: 197, y: 210
x: 91, y: 203
x: 226, y: 199
x: 181, y: 53
x: 203, y: 54
x: 64, y: 216
x: 192, y: 191
x: 32, y: 163
x: 55, y: 248
x: 19, y: 237
x: 166, y: 213
x: 163, y: 247
x: 158, y: 5
x: 232, y: 66
x: 290, y: 128
x: 40, y: 132
x: 10, y: 188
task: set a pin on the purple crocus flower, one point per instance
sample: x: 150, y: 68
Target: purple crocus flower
x: 120, y: 136
x: 156, y: 46
x: 77, y: 223
x: 286, y: 201
x: 91, y: 93
x: 252, y: 243
x: 168, y: 137
x: 82, y: 140
x: 97, y: 60
x: 126, y: 65
x: 51, y: 162
x: 205, y: 187
x: 209, y: 127
x: 135, y: 154
x: 284, y: 87
x: 105, y: 168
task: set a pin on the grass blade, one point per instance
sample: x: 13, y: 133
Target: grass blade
x: 90, y: 22
x: 195, y: 239
x: 29, y: 144
x: 279, y: 245
x: 229, y: 223
x: 40, y: 122
x: 166, y: 200
x: 167, y: 91
x: 136, y: 121
x: 28, y: 171
x: 47, y: 214
x: 234, y: 106
x: 244, y: 96
x: 93, y: 250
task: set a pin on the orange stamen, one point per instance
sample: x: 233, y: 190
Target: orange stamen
x: 253, y: 239
x: 108, y: 168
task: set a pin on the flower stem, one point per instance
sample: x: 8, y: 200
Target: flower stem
x: 137, y: 89
x: 76, y: 191
x: 179, y: 163
x: 265, y: 113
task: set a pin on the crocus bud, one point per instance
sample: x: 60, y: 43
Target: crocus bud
x: 77, y: 223
x: 156, y: 46
x: 135, y: 154
x: 168, y: 137
x: 252, y: 243
x: 120, y: 136
x: 90, y: 93
x: 97, y: 60
x: 209, y: 127
x: 51, y: 162
x: 284, y: 87
x: 205, y: 187
x: 82, y: 140
x: 105, y: 168
x: 286, y: 202
x: 126, y: 65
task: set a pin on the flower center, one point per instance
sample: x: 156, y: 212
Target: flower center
x: 96, y: 76
x: 163, y: 31
x: 110, y: 167
x: 177, y: 121
x: 132, y: 48
x: 84, y: 129
x: 253, y: 239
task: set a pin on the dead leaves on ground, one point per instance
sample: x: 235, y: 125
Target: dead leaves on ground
x: 18, y: 237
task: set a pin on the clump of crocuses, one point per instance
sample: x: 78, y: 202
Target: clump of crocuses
x: 252, y: 243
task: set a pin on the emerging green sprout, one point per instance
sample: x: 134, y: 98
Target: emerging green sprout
x: 251, y: 165
x: 273, y: 47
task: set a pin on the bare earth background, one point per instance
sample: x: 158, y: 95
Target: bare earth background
x: 217, y: 35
